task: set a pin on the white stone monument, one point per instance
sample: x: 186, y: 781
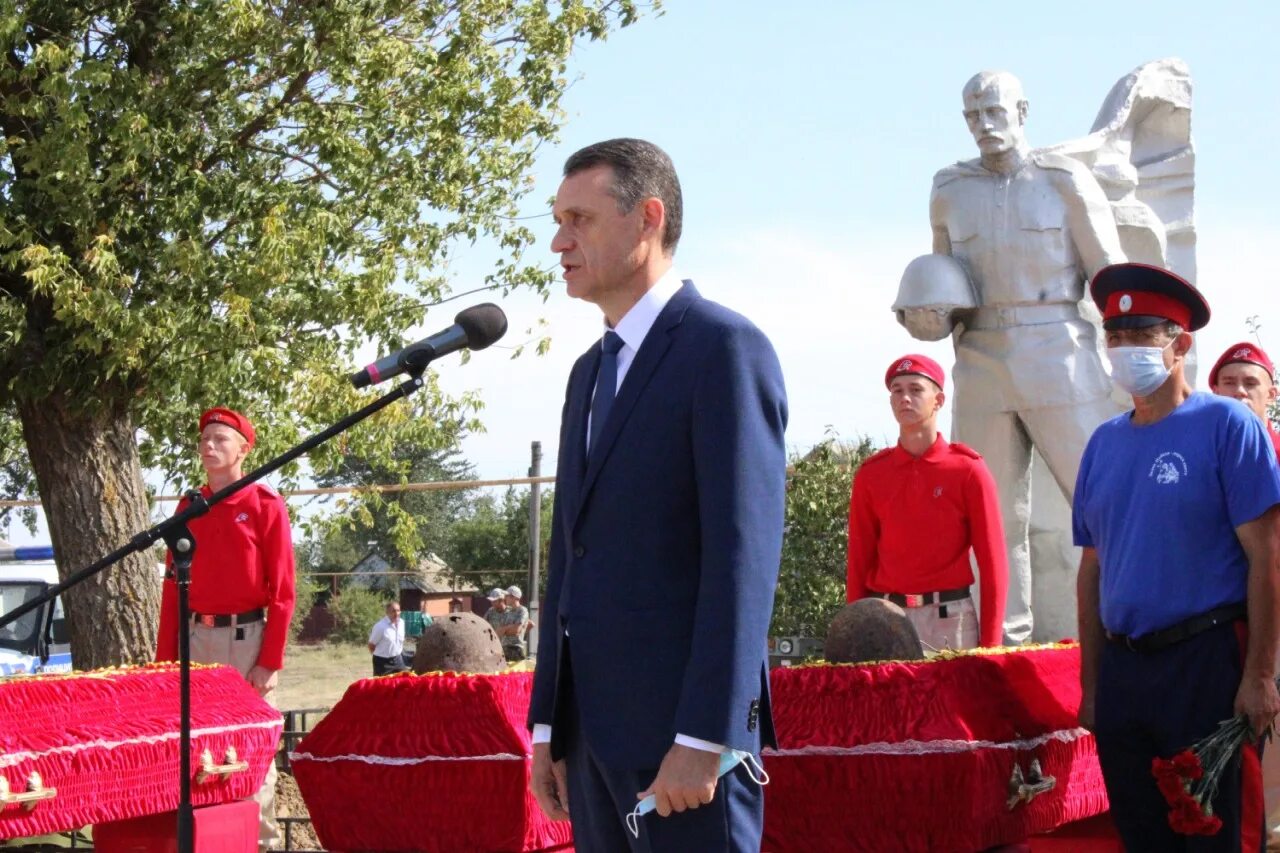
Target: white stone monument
x: 1031, y: 227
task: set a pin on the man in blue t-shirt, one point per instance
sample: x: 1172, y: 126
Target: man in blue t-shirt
x: 1178, y: 513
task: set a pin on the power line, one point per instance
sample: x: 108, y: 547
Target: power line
x: 434, y: 486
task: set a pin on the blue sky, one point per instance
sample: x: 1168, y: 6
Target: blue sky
x: 806, y: 136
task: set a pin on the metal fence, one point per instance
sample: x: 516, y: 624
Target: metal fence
x: 297, y: 722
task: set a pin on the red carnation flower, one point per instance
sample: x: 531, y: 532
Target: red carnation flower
x: 1189, y: 780
x: 1187, y: 818
x: 1187, y: 764
x: 1172, y: 789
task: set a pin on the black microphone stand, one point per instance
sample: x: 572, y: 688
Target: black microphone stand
x: 182, y: 547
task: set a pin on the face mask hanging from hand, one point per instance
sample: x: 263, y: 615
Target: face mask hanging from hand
x: 729, y: 759
x: 1138, y: 371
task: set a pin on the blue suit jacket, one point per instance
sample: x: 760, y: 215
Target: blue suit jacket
x: 665, y: 544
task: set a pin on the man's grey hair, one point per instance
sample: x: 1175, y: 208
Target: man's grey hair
x: 640, y: 170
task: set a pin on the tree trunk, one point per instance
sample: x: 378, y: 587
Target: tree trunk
x: 90, y: 481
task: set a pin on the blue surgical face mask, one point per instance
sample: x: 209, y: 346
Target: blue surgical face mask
x: 729, y: 759
x: 1138, y: 371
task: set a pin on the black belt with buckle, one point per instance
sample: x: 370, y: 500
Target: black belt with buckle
x: 226, y: 620
x: 1184, y: 630
x: 924, y: 599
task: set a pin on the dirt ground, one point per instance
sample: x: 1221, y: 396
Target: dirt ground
x: 289, y: 804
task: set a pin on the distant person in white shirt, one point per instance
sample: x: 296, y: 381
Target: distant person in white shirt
x: 386, y: 642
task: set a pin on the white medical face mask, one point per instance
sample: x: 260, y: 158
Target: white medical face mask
x: 1138, y: 371
x: 729, y: 759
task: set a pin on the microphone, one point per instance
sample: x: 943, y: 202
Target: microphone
x: 474, y: 328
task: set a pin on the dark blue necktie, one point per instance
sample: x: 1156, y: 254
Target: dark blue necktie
x: 606, y: 386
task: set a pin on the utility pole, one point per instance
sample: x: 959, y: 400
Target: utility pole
x: 535, y: 541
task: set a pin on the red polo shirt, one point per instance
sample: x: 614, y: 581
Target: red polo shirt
x: 244, y: 560
x: 912, y: 522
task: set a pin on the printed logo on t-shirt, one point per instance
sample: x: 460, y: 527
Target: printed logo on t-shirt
x: 937, y: 491
x: 242, y: 517
x: 1169, y: 468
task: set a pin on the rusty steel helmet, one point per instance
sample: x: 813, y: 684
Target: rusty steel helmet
x: 933, y: 289
x: 459, y: 642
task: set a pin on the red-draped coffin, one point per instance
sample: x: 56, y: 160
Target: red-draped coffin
x: 107, y: 741
x: 893, y: 756
x: 434, y: 762
x: 918, y: 756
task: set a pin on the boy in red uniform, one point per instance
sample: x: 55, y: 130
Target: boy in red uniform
x: 1245, y: 373
x: 242, y: 586
x: 917, y: 510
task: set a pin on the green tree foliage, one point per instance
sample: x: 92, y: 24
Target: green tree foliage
x: 354, y: 613
x: 307, y: 588
x: 329, y: 548
x: 489, y: 546
x: 216, y: 202
x: 16, y: 480
x: 404, y: 527
x: 1254, y: 324
x: 811, y: 578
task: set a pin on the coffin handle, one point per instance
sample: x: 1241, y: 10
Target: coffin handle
x: 219, y: 772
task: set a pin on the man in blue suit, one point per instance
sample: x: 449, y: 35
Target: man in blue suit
x: 667, y: 532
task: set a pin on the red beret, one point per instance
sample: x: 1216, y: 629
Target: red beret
x: 1242, y: 353
x: 233, y: 419
x: 920, y: 365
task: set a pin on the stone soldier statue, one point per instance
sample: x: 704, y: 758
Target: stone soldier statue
x: 1031, y: 227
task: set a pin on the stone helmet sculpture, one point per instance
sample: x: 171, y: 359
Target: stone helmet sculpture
x: 934, y: 293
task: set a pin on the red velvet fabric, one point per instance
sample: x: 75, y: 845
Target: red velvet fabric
x: 949, y: 794
x: 436, y: 763
x: 107, y: 741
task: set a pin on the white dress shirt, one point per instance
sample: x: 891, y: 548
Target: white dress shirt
x: 387, y: 638
x: 633, y: 328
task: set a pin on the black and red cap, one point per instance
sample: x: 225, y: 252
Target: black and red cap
x: 1134, y: 296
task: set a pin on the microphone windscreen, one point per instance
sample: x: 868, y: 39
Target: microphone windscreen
x: 483, y: 323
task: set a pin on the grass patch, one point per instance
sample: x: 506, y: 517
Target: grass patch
x: 315, y: 675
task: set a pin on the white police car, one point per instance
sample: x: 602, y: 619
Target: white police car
x: 35, y: 643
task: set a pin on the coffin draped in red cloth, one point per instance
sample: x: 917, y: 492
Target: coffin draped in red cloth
x: 437, y: 763
x: 919, y: 756
x: 107, y: 742
x: 890, y: 756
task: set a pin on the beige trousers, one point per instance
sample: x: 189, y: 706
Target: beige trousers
x: 238, y: 646
x: 958, y: 629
